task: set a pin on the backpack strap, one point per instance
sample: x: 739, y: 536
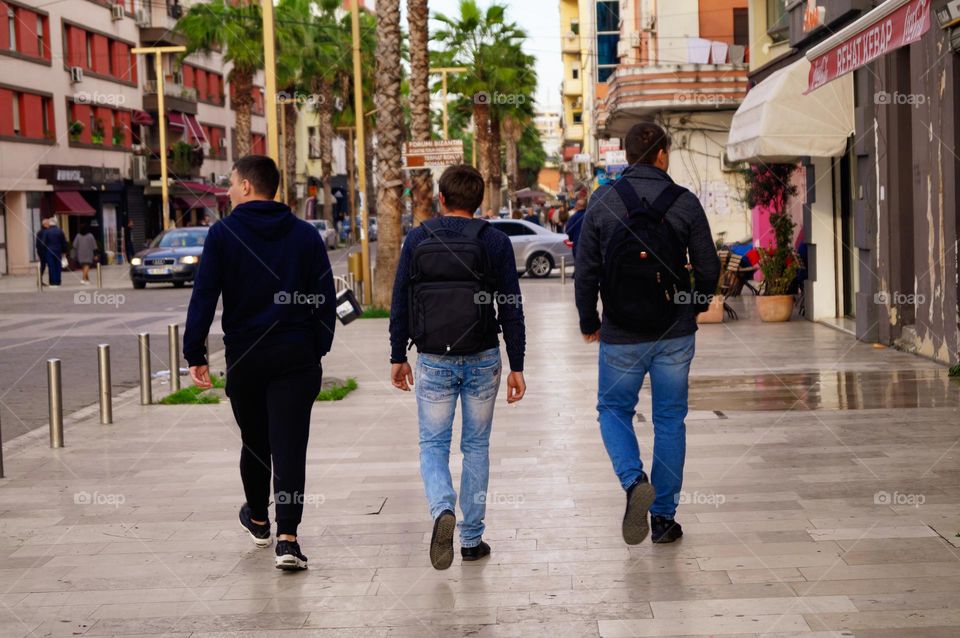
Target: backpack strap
x: 660, y: 205
x: 475, y: 228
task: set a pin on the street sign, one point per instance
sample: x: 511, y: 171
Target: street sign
x: 434, y: 154
x: 616, y: 159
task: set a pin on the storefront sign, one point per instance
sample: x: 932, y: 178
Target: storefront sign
x: 890, y: 30
x: 432, y: 154
x: 59, y: 175
x: 615, y: 160
x: 949, y: 14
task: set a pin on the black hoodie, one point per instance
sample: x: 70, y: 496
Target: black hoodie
x: 276, y: 281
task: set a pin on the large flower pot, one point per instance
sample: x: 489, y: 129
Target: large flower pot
x: 775, y: 307
x: 714, y: 314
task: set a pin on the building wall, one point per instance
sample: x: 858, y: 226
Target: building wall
x: 676, y: 21
x: 716, y: 19
x: 762, y: 47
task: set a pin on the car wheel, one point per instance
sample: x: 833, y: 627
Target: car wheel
x: 540, y: 265
x: 179, y: 284
x: 139, y: 284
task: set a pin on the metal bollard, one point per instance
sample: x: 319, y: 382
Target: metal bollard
x: 99, y: 276
x: 55, y: 403
x: 1, y: 452
x: 563, y: 270
x: 173, y: 348
x: 39, y: 278
x: 106, y: 389
x: 146, y: 387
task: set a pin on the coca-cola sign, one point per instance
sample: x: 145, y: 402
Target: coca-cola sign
x: 905, y: 25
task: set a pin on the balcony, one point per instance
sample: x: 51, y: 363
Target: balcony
x: 573, y: 133
x: 176, y: 97
x: 639, y: 91
x: 571, y: 43
x: 572, y: 88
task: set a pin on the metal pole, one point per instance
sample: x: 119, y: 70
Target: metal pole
x: 146, y: 388
x: 361, y: 141
x: 173, y: 347
x: 39, y: 278
x: 270, y: 88
x: 106, y: 389
x: 55, y: 403
x: 99, y: 276
x: 563, y: 270
x: 162, y: 122
x: 1, y: 452
x: 446, y: 116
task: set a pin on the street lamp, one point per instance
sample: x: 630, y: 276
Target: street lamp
x: 361, y: 151
x: 270, y: 77
x: 162, y: 116
x: 444, y: 71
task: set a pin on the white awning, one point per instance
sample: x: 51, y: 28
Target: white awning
x: 778, y: 123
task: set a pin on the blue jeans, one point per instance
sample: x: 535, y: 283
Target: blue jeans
x: 622, y: 370
x: 440, y: 380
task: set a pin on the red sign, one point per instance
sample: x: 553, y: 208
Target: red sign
x: 902, y: 26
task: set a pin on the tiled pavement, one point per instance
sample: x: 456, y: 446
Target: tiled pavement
x: 821, y: 499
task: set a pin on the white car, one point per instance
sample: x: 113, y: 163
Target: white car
x: 329, y: 235
x: 537, y: 250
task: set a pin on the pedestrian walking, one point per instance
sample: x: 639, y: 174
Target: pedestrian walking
x: 55, y: 245
x: 633, y: 251
x: 40, y: 248
x: 574, y: 224
x: 278, y: 321
x: 128, y: 246
x: 452, y: 270
x: 85, y: 251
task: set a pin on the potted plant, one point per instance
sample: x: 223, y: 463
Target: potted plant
x: 97, y: 134
x: 181, y: 158
x: 117, y: 138
x: 75, y: 130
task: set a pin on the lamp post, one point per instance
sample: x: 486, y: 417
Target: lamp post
x: 361, y: 150
x: 270, y: 77
x: 444, y: 71
x: 162, y: 116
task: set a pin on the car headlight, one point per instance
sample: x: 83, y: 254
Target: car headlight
x: 136, y: 261
x: 189, y: 260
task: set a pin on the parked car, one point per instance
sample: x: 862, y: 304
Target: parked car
x: 537, y: 250
x: 329, y: 234
x: 172, y: 257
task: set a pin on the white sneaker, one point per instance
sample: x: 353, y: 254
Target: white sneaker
x: 85, y: 282
x: 53, y: 285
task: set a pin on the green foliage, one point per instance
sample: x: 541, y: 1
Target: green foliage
x: 190, y: 396
x: 338, y: 392
x: 780, y: 265
x: 955, y: 371
x: 235, y: 28
x: 532, y: 157
x: 75, y: 129
x: 375, y: 312
x: 181, y: 158
x: 768, y: 185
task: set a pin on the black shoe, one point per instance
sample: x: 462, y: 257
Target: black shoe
x: 475, y: 553
x: 289, y: 557
x: 640, y: 497
x: 259, y: 533
x: 665, y: 530
x: 441, y: 545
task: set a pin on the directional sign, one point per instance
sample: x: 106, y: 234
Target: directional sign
x: 432, y: 154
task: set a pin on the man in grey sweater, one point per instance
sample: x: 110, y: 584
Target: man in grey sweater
x: 627, y: 351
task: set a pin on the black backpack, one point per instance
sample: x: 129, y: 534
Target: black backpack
x: 451, y: 290
x: 644, y: 265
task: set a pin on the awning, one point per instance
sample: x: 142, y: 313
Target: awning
x: 893, y: 24
x: 71, y: 203
x: 142, y: 117
x: 201, y: 188
x: 196, y: 131
x: 777, y: 122
x: 175, y: 118
x: 187, y: 202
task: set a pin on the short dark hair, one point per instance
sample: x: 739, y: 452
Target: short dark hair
x: 261, y: 172
x: 644, y: 141
x: 462, y: 188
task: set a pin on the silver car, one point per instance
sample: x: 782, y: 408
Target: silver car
x: 537, y: 250
x: 329, y: 235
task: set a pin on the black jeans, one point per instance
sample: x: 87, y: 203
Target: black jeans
x: 272, y: 391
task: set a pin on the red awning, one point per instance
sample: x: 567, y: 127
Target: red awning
x: 200, y: 187
x: 893, y: 24
x: 196, y: 131
x: 176, y: 119
x: 71, y: 203
x: 188, y: 202
x: 142, y: 117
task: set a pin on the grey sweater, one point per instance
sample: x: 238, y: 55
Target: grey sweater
x: 605, y: 216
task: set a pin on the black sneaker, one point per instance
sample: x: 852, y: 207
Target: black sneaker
x: 640, y: 497
x: 475, y: 553
x: 289, y: 557
x: 664, y: 530
x: 259, y: 533
x: 441, y: 544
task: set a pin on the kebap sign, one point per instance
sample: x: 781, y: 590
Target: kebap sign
x: 887, y: 31
x: 432, y: 154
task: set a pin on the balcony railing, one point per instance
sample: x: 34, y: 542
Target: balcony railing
x: 172, y: 89
x: 571, y: 43
x: 573, y: 87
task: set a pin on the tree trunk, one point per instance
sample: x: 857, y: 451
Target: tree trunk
x: 242, y: 98
x: 324, y: 92
x: 418, y: 17
x: 495, y: 184
x: 511, y: 135
x: 390, y: 134
x: 290, y: 152
x: 481, y: 118
x: 370, y: 161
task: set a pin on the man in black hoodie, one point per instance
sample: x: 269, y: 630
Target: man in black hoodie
x: 278, y: 320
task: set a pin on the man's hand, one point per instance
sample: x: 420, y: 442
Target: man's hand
x: 592, y: 338
x: 201, y: 377
x: 401, y: 376
x: 516, y: 387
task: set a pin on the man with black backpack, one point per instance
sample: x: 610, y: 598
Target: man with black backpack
x: 452, y: 269
x: 633, y: 249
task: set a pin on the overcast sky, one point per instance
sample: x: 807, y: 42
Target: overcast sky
x: 541, y: 20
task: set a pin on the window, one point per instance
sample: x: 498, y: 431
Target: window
x: 41, y: 46
x: 513, y: 229
x: 27, y: 115
x: 777, y: 20
x: 575, y: 27
x: 578, y: 117
x: 576, y: 73
x: 12, y: 28
x: 16, y: 114
x: 608, y: 16
x: 88, y: 43
x: 46, y: 105
x: 741, y: 27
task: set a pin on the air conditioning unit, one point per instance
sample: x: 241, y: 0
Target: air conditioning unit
x: 138, y: 168
x: 76, y: 74
x: 650, y: 24
x: 116, y: 12
x: 635, y: 39
x: 623, y: 48
x: 142, y: 18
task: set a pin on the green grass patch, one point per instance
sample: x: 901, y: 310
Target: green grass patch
x: 375, y: 312
x: 338, y: 392
x: 189, y: 396
x: 955, y: 371
x: 218, y: 382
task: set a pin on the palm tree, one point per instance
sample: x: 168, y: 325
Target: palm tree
x: 390, y: 137
x: 292, y: 16
x: 237, y: 30
x: 418, y: 15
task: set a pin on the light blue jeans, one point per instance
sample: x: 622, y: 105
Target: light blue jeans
x: 622, y: 370
x: 440, y: 380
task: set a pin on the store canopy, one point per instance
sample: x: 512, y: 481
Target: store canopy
x: 142, y: 117
x: 187, y: 202
x: 175, y: 118
x: 201, y: 188
x: 777, y: 122
x: 196, y: 131
x: 893, y: 24
x: 71, y: 203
